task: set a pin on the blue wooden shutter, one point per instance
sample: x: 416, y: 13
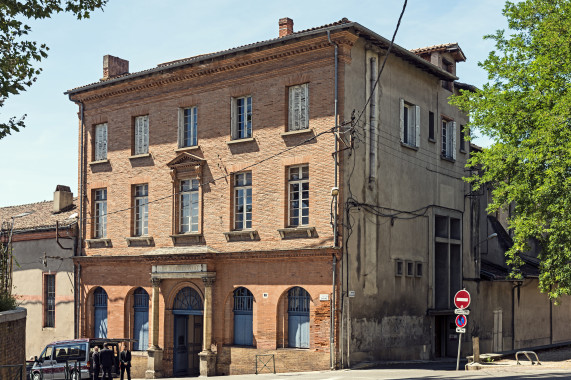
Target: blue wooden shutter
x: 141, y: 323
x: 243, y: 314
x: 298, y: 318
x: 100, y: 315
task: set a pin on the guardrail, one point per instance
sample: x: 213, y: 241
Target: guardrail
x: 17, y: 374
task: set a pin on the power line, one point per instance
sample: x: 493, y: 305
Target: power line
x: 218, y: 178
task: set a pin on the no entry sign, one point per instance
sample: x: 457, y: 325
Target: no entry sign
x: 461, y: 321
x: 462, y: 299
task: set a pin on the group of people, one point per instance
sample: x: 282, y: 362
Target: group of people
x: 104, y: 360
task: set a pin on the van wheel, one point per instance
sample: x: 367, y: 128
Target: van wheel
x: 75, y: 376
x: 36, y: 376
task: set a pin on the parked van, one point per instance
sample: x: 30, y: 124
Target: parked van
x: 72, y: 357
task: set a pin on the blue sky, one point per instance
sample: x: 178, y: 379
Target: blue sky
x: 147, y: 32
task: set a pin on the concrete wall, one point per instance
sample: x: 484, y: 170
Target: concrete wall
x: 12, y: 342
x: 388, y: 317
x: 28, y: 285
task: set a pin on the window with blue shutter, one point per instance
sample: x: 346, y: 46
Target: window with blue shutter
x: 298, y: 317
x: 141, y: 323
x: 243, y: 313
x: 100, y: 311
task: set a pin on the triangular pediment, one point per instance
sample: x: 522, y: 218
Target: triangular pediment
x: 185, y: 159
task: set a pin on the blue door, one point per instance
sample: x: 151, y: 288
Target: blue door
x: 298, y: 318
x: 243, y: 313
x: 100, y: 314
x: 187, y: 311
x: 141, y: 325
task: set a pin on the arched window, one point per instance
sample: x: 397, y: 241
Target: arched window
x: 298, y: 317
x: 141, y: 323
x: 188, y: 302
x: 243, y: 312
x: 100, y: 313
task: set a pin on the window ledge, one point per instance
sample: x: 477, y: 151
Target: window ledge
x: 403, y: 144
x: 463, y: 151
x: 298, y: 132
x: 189, y: 238
x: 446, y: 158
x: 432, y: 140
x: 100, y: 162
x: 297, y: 232
x: 93, y: 243
x: 138, y: 241
x: 188, y: 148
x: 238, y: 141
x: 134, y: 157
x: 241, y: 235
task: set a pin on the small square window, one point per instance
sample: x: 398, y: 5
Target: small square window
x: 409, y: 269
x: 419, y: 269
x: 399, y: 268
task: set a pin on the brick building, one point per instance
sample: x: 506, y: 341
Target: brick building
x: 213, y: 207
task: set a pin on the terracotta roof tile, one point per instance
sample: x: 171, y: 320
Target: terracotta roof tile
x: 41, y: 216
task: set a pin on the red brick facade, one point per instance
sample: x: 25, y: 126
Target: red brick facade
x: 270, y: 263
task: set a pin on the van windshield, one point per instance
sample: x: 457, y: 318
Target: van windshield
x: 47, y: 354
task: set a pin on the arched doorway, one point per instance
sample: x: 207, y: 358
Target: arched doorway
x: 298, y: 317
x: 187, y: 311
x: 100, y: 313
x: 243, y: 313
x: 141, y: 322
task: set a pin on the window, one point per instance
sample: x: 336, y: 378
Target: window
x: 242, y: 118
x: 409, y: 123
x: 448, y: 260
x: 409, y: 268
x: 298, y: 317
x: 462, y: 139
x: 100, y: 142
x: 141, y: 135
x: 189, y: 205
x: 243, y: 200
x: 49, y: 300
x: 100, y: 211
x: 298, y: 107
x: 100, y: 313
x: 141, y: 322
x: 141, y: 210
x: 448, y: 139
x: 449, y: 67
x: 243, y: 312
x: 431, y: 126
x: 418, y: 269
x: 399, y: 268
x: 372, y: 118
x: 299, y: 195
x: 187, y: 127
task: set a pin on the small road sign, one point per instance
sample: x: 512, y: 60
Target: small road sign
x: 460, y: 330
x: 461, y: 321
x: 462, y: 299
x: 461, y: 312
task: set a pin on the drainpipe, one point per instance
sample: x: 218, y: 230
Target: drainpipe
x: 334, y: 193
x: 516, y: 284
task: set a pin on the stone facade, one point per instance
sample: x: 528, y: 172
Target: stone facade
x: 12, y: 343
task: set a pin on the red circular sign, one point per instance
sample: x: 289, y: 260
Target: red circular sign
x: 461, y: 321
x: 462, y: 299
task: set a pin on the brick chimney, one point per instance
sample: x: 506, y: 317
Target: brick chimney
x: 286, y: 26
x: 63, y: 199
x: 114, y: 66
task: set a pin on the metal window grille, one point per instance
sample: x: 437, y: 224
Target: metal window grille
x: 100, y: 220
x: 243, y: 300
x: 298, y: 300
x: 100, y: 298
x: 50, y: 300
x: 141, y: 299
x: 243, y: 200
x: 188, y: 299
x: 299, y: 195
x: 189, y: 205
x: 141, y: 210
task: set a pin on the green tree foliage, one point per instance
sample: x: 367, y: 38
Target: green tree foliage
x: 18, y: 55
x: 525, y: 108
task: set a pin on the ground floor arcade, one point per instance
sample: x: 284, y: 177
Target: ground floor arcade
x: 213, y: 314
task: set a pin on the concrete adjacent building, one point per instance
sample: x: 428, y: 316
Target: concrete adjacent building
x: 43, y: 242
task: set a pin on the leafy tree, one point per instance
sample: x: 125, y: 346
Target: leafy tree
x: 18, y: 55
x: 525, y: 108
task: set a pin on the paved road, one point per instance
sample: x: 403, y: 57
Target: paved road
x: 394, y: 372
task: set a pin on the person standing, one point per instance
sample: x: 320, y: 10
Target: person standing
x: 107, y: 360
x: 96, y: 362
x: 125, y: 361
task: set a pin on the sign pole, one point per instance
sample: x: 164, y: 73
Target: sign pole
x: 459, y: 344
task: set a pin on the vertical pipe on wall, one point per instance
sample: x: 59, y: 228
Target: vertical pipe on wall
x: 335, y: 207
